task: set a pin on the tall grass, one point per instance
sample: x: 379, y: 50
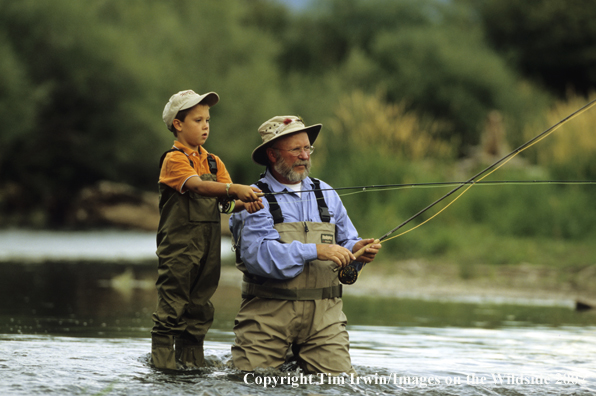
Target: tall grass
x: 570, y: 152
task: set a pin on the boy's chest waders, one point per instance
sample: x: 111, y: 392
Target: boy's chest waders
x: 181, y: 212
x: 190, y: 206
x: 317, y: 280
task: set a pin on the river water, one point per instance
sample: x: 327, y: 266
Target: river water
x: 77, y: 324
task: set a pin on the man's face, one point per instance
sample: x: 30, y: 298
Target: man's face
x: 290, y: 168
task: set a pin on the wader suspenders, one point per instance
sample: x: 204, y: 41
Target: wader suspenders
x: 273, y: 205
x: 275, y: 209
x: 212, y: 164
x: 323, y: 209
x: 210, y: 160
x: 251, y: 286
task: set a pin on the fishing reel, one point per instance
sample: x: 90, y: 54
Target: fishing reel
x: 226, y: 205
x: 348, y: 275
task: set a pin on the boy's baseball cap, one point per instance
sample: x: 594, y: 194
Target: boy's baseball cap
x: 185, y: 100
x: 281, y: 126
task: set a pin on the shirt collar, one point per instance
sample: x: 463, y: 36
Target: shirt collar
x: 189, y: 151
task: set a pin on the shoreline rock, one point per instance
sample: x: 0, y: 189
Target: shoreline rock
x: 110, y: 204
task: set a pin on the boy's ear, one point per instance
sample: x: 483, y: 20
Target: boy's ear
x: 177, y: 124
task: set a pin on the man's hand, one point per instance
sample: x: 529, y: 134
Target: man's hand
x: 252, y: 207
x: 338, y: 254
x: 370, y: 252
x: 244, y: 193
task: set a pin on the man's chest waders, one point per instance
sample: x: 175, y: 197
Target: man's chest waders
x: 188, y: 249
x: 305, y: 311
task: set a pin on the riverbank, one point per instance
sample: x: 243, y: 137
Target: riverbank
x: 515, y: 284
x: 522, y: 283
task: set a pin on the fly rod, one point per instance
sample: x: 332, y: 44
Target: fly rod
x: 384, y: 187
x: 349, y: 273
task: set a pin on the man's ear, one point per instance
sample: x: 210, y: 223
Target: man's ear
x: 270, y: 155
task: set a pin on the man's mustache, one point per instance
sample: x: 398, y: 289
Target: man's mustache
x: 301, y: 163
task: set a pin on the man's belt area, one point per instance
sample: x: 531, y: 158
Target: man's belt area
x: 250, y: 290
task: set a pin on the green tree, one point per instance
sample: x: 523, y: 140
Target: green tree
x: 87, y: 81
x: 447, y: 73
x: 552, y: 42
x: 430, y: 54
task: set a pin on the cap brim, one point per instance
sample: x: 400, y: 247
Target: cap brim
x: 259, y: 155
x: 210, y: 99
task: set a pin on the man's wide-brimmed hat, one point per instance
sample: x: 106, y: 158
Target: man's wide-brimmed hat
x: 278, y: 127
x: 185, y: 100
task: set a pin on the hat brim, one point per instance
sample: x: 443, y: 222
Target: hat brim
x: 210, y: 99
x: 259, y: 155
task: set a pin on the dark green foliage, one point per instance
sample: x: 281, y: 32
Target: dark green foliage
x: 87, y: 81
x: 81, y: 103
x: 83, y: 85
x: 447, y: 73
x: 428, y: 53
x: 553, y: 42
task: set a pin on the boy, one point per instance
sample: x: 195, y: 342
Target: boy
x: 189, y: 234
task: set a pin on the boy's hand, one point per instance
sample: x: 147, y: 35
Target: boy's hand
x: 244, y: 193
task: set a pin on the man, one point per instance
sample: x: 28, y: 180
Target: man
x: 291, y: 295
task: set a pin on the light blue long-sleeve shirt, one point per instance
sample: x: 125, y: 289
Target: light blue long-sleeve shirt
x: 260, y: 248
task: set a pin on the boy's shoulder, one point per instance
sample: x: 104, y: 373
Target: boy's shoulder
x: 173, y: 155
x: 208, y: 153
x: 217, y: 159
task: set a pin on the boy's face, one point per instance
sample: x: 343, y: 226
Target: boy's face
x: 194, y: 130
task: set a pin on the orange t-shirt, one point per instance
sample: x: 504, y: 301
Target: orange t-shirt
x: 176, y: 169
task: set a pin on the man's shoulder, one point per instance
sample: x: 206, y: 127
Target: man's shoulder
x: 316, y: 179
x: 326, y: 187
x: 266, y: 182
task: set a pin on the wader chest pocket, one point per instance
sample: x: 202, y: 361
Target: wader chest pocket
x: 202, y: 209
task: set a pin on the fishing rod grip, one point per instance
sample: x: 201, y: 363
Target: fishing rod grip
x: 361, y: 251
x: 348, y: 275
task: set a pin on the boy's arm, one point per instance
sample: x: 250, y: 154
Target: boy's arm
x: 216, y: 189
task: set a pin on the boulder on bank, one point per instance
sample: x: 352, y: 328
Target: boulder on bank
x: 110, y: 204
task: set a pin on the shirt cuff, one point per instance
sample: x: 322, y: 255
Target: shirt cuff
x: 350, y: 245
x: 310, y: 253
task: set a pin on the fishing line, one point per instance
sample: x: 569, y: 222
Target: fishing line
x: 349, y: 273
x: 404, y: 186
x: 490, y: 169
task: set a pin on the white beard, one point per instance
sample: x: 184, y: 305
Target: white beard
x: 289, y: 173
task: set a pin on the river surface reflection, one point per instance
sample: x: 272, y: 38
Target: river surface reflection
x: 82, y: 327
